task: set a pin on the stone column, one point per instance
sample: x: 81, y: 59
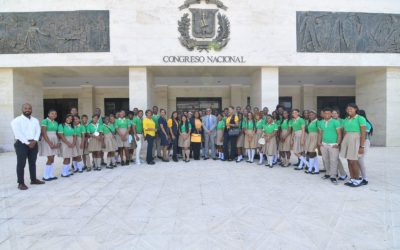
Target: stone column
x: 141, y: 88
x: 236, y: 95
x: 86, y: 100
x: 161, y: 97
x: 309, y: 98
x: 16, y: 88
x: 265, y: 88
x: 378, y: 93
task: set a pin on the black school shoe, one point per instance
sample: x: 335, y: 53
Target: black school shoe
x: 364, y: 182
x: 326, y: 177
x: 334, y: 181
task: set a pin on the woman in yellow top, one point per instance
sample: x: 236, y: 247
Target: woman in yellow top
x: 270, y: 131
x: 149, y: 130
x: 220, y: 136
x: 197, y: 130
x: 230, y: 134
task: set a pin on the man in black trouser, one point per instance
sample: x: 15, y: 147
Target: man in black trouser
x: 150, y: 144
x: 26, y: 132
x: 232, y: 121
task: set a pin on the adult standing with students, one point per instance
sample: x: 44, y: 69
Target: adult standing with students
x: 149, y: 129
x: 210, y: 132
x: 137, y: 127
x: 26, y: 131
x: 231, y: 134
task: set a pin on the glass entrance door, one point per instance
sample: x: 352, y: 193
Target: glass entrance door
x: 198, y: 103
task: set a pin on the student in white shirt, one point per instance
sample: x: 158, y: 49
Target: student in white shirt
x: 26, y: 132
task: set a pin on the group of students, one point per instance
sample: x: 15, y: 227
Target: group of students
x: 229, y: 136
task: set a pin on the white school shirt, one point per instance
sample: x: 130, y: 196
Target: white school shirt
x: 26, y: 129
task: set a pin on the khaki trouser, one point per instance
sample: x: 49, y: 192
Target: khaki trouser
x: 330, y: 158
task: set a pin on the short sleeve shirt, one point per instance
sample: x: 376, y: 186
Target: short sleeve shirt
x: 228, y: 120
x: 164, y: 123
x: 313, y: 126
x: 51, y: 126
x: 260, y: 124
x: 122, y: 123
x: 329, y: 130
x: 297, y: 124
x: 79, y: 130
x: 270, y: 128
x: 92, y: 128
x: 66, y: 130
x: 108, y: 128
x: 221, y: 125
x: 183, y: 127
x: 285, y: 124
x: 138, y: 123
x: 249, y: 125
x: 155, y: 119
x: 149, y: 124
x: 353, y: 124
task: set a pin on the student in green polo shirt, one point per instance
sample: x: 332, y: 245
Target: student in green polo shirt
x: 329, y: 139
x: 137, y: 128
x: 80, y: 132
x: 260, y: 122
x: 250, y: 137
x: 298, y: 127
x: 284, y: 141
x: 95, y: 131
x: 157, y: 139
x: 270, y: 131
x: 86, y: 154
x: 110, y: 143
x: 353, y: 144
x: 368, y: 132
x: 219, y: 141
x: 49, y: 144
x: 67, y: 136
x: 123, y: 126
x: 312, y: 143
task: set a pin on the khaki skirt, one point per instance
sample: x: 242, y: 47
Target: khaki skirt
x: 79, y: 151
x: 120, y: 142
x: 311, y: 142
x: 259, y: 134
x: 67, y: 152
x: 284, y: 146
x: 297, y: 148
x: 110, y: 143
x: 86, y: 148
x: 350, y: 146
x: 250, y: 140
x: 270, y: 146
x: 44, y: 148
x: 95, y: 145
x: 184, y: 143
x: 240, y: 140
x: 219, y: 141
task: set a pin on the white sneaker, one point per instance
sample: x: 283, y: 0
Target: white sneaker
x: 138, y: 163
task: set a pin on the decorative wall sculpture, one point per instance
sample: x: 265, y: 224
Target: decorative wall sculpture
x: 54, y: 32
x: 348, y: 32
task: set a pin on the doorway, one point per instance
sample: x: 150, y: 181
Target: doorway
x: 62, y: 106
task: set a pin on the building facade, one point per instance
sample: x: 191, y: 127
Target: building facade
x: 179, y: 54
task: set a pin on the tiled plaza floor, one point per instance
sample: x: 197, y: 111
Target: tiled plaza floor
x: 202, y: 205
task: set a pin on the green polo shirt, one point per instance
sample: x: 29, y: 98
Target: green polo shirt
x: 51, y: 126
x: 138, y: 123
x: 122, y: 123
x: 297, y: 124
x: 91, y: 128
x: 313, y: 126
x: 328, y: 129
x: 249, y: 125
x: 183, y: 127
x: 221, y: 125
x: 270, y: 128
x: 285, y: 124
x: 155, y: 119
x: 79, y: 130
x: 260, y: 123
x: 66, y: 130
x: 353, y: 124
x: 108, y: 128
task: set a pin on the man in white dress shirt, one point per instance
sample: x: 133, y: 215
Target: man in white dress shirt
x: 26, y: 132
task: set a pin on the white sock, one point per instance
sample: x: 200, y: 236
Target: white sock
x: 301, y: 164
x: 261, y: 158
x: 253, y: 152
x: 222, y: 156
x: 80, y: 165
x: 316, y: 165
x: 108, y: 161
x: 46, y: 172
x: 310, y: 164
x: 274, y: 158
x: 270, y: 159
x: 74, y: 164
x: 303, y: 161
x: 248, y: 154
x: 50, y: 173
x: 113, y: 160
x: 65, y: 170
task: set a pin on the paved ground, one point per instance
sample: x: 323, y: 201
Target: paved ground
x: 202, y: 205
